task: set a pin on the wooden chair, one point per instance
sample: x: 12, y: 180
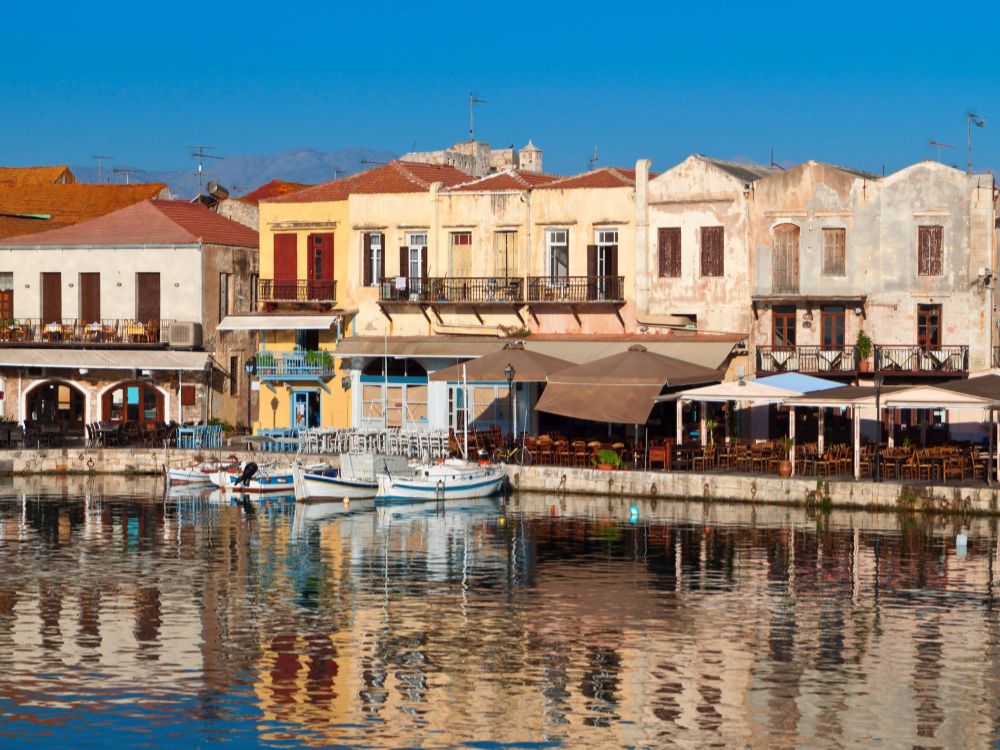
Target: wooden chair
x: 659, y: 454
x: 706, y: 460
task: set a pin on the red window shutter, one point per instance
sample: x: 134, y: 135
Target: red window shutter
x: 366, y: 259
x: 187, y: 395
x: 285, y: 261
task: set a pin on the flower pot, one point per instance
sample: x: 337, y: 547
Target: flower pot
x: 605, y: 467
x: 864, y: 366
x: 785, y: 469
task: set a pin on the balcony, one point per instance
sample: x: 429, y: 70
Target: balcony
x: 917, y: 360
x: 576, y: 289
x: 812, y: 360
x: 471, y: 290
x: 297, y: 365
x: 75, y: 332
x: 273, y: 291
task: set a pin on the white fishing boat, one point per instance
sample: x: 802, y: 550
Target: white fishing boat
x: 199, y: 474
x: 451, y: 479
x: 357, y: 477
x: 263, y: 480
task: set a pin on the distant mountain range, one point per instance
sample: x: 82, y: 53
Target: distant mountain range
x: 241, y: 174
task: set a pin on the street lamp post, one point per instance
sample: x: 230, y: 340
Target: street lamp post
x: 250, y: 367
x: 879, y: 379
x: 509, y: 372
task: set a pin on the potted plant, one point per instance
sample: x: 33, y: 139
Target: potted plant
x: 710, y: 425
x: 863, y: 349
x: 785, y: 465
x: 606, y: 460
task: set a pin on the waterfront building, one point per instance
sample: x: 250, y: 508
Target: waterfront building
x: 114, y: 319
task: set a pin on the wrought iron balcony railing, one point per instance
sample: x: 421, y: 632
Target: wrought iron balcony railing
x: 935, y: 360
x: 806, y: 359
x: 576, y: 289
x: 75, y: 331
x: 296, y: 290
x: 297, y: 364
x: 448, y: 289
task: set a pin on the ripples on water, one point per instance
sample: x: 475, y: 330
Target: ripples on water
x: 129, y: 619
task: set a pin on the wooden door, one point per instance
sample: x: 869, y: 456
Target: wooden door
x: 832, y: 327
x: 320, y: 271
x: 6, y: 295
x: 285, y: 266
x: 51, y: 297
x: 929, y: 326
x: 90, y: 297
x: 147, y: 297
x: 783, y: 334
x: 785, y: 271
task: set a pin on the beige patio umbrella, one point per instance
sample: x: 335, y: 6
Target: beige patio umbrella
x: 619, y: 389
x: 529, y: 366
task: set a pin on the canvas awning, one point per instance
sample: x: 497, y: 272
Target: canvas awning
x: 710, y: 353
x: 773, y: 389
x: 529, y: 367
x: 103, y: 359
x: 848, y: 395
x: 974, y: 393
x: 621, y: 389
x: 278, y: 322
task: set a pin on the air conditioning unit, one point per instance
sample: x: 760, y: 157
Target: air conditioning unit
x: 184, y: 334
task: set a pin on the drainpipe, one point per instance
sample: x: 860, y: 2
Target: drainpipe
x: 642, y: 236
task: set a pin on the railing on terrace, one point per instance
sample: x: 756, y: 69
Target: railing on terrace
x: 576, y: 288
x: 296, y: 290
x: 940, y: 360
x: 807, y: 359
x: 297, y: 364
x: 445, y: 289
x: 76, y: 331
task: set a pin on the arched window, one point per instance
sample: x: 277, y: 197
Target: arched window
x: 133, y: 402
x: 52, y: 401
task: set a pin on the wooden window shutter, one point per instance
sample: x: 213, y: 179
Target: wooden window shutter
x: 712, y: 262
x: 366, y: 259
x: 382, y: 251
x: 147, y: 292
x: 51, y: 297
x: 285, y: 260
x: 591, y: 261
x: 669, y: 242
x: 612, y: 260
x: 90, y: 297
x: 834, y: 251
x: 187, y: 395
x: 423, y: 262
x: 930, y: 251
x: 404, y: 261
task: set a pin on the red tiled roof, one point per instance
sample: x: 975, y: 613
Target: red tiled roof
x: 151, y: 222
x: 604, y: 177
x: 37, y: 175
x: 394, y: 177
x: 510, y: 179
x: 273, y: 189
x: 66, y: 204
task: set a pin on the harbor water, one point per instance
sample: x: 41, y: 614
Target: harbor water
x: 130, y: 618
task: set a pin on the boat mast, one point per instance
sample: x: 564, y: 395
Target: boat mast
x: 465, y: 422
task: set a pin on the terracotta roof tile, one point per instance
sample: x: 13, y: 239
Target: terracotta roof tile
x: 394, y: 177
x: 604, y: 177
x: 510, y: 179
x: 273, y: 189
x: 37, y: 175
x: 69, y: 204
x: 150, y: 222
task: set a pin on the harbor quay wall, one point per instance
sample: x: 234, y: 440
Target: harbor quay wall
x: 556, y: 480
x: 809, y: 492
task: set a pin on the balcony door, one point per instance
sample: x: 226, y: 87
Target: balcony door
x: 285, y: 266
x: 832, y: 327
x: 929, y: 326
x: 602, y: 265
x: 147, y: 298
x: 6, y: 295
x: 783, y: 330
x: 51, y: 297
x: 320, y: 272
x: 90, y: 297
x: 785, y: 269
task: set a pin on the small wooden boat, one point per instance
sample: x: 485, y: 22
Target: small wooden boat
x: 199, y: 474
x: 328, y: 484
x: 265, y: 480
x: 453, y: 479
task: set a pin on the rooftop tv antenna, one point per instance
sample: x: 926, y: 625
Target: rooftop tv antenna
x: 199, y: 153
x: 938, y: 145
x: 100, y: 165
x: 126, y: 171
x: 473, y: 101
x: 592, y: 160
x: 370, y: 161
x: 971, y: 118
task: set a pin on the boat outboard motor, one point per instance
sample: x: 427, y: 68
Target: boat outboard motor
x: 248, y: 473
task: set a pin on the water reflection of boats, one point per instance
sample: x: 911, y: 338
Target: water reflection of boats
x: 458, y: 512
x: 344, y: 513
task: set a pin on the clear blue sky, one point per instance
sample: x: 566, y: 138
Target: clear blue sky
x: 855, y: 83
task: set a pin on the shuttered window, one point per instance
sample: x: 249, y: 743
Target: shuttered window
x: 187, y: 395
x: 669, y: 245
x: 785, y: 271
x: 147, y: 297
x: 930, y: 242
x: 712, y: 252
x: 51, y: 297
x: 6, y: 295
x: 834, y: 251
x: 234, y: 376
x: 90, y: 297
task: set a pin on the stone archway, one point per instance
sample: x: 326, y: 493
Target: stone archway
x: 57, y: 401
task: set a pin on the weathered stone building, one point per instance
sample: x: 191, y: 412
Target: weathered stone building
x: 479, y: 159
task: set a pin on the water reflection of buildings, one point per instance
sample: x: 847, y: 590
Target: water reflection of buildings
x: 411, y: 627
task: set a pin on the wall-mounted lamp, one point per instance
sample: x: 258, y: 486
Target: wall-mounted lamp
x: 177, y: 283
x: 84, y: 370
x: 858, y: 311
x: 808, y: 316
x: 70, y: 285
x: 27, y: 286
x: 146, y: 373
x: 118, y: 284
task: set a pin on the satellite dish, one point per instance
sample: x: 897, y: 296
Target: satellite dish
x: 217, y: 191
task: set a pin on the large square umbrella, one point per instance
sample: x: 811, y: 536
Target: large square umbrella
x: 529, y: 366
x: 620, y: 389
